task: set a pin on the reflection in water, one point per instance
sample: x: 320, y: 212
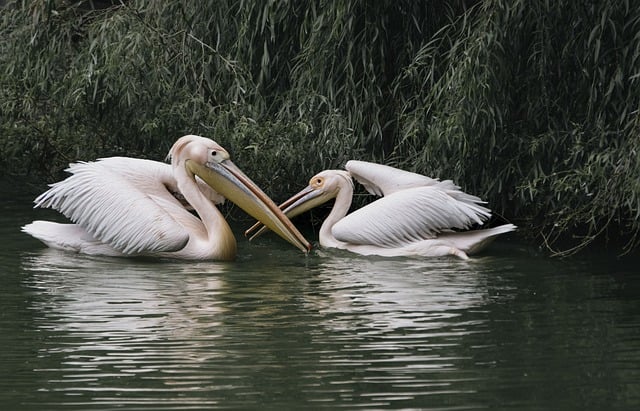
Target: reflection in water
x: 102, y: 295
x: 437, y: 286
x: 332, y: 330
x: 113, y: 320
x: 402, y: 322
x: 202, y: 328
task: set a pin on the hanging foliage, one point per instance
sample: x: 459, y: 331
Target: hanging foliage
x: 531, y: 105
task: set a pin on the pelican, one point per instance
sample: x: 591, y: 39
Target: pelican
x: 416, y: 216
x: 123, y: 206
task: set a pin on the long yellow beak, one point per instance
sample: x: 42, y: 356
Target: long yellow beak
x: 305, y: 200
x: 233, y: 184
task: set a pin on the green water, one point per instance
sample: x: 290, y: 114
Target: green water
x: 509, y: 330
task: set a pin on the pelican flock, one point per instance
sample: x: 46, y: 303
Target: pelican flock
x: 123, y: 206
x: 417, y: 215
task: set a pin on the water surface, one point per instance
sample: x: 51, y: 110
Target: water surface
x: 510, y: 329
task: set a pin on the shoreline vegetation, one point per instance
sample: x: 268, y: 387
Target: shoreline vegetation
x: 533, y: 106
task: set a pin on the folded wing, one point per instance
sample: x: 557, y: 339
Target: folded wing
x: 411, y: 215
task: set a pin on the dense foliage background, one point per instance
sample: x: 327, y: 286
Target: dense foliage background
x: 531, y: 105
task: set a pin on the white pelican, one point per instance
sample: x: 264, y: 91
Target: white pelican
x: 130, y: 207
x: 416, y: 216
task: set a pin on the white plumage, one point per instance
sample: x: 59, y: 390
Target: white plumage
x: 417, y: 215
x: 125, y: 206
x: 123, y: 202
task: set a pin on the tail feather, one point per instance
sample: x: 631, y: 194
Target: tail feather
x: 474, y: 241
x: 69, y: 237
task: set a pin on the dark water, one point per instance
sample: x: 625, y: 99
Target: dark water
x: 278, y: 330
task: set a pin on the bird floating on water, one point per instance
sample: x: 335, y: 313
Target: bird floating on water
x: 416, y: 216
x: 124, y: 206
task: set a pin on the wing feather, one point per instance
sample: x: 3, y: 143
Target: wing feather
x: 383, y: 180
x: 113, y: 199
x: 407, y: 216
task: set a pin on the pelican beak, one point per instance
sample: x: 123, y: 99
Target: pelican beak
x: 233, y: 184
x: 305, y: 200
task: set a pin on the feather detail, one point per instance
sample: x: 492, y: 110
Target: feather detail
x: 110, y: 203
x: 407, y: 216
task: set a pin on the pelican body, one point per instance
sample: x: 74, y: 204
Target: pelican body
x: 416, y: 216
x: 123, y: 206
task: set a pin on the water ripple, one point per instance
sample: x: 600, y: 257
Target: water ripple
x: 331, y: 330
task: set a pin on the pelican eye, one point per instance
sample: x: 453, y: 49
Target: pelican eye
x: 214, y: 153
x: 317, y: 182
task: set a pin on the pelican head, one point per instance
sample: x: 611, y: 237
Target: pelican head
x: 203, y: 157
x: 322, y: 187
